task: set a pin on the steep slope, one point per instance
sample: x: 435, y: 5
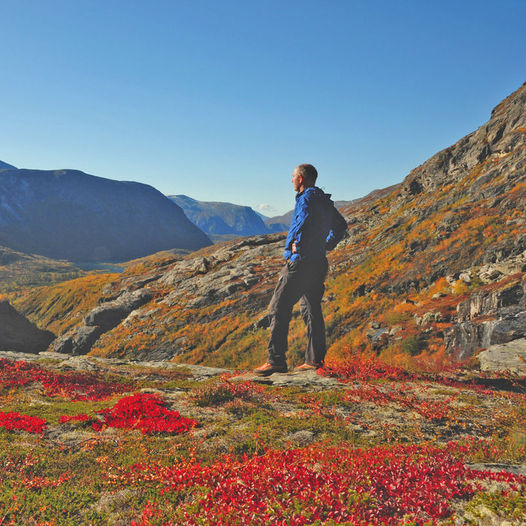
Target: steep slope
x: 220, y: 219
x: 67, y: 214
x: 433, y: 268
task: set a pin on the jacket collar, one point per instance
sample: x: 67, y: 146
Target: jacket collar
x: 308, y: 189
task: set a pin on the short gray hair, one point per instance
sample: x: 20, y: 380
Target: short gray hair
x: 308, y: 172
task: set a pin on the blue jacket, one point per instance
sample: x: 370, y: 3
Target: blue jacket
x: 316, y: 226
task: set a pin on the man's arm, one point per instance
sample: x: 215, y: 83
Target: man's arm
x: 338, y: 230
x: 302, y: 217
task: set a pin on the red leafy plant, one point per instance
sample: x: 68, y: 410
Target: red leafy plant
x: 74, y: 386
x: 380, y: 485
x: 363, y: 367
x: 64, y: 419
x: 14, y: 420
x: 145, y: 412
x: 431, y: 410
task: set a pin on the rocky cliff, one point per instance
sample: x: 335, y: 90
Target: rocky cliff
x: 433, y: 268
x: 67, y: 214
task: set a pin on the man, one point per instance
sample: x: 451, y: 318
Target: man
x: 316, y: 227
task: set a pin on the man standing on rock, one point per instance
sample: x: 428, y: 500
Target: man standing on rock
x: 316, y: 227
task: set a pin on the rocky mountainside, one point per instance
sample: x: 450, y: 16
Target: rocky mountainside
x: 219, y: 219
x: 433, y: 269
x: 67, y: 214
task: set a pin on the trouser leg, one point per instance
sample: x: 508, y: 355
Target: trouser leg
x: 310, y: 306
x: 289, y: 289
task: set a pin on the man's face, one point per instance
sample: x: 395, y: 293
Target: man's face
x: 297, y: 180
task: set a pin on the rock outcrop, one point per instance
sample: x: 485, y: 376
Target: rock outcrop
x: 510, y: 356
x: 489, y: 317
x: 100, y: 320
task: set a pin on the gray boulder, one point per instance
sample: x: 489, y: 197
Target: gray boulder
x: 510, y: 356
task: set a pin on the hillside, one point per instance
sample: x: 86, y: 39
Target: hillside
x: 67, y: 214
x: 27, y: 270
x: 433, y: 270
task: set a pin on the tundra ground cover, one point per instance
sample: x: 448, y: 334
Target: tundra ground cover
x: 382, y: 446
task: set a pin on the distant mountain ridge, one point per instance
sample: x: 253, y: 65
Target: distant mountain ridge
x: 68, y: 214
x: 220, y: 219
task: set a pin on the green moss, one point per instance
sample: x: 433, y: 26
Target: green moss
x: 507, y: 506
x: 413, y: 345
x: 52, y: 410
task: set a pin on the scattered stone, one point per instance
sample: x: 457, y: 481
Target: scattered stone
x: 466, y: 277
x: 301, y: 438
x: 451, y: 280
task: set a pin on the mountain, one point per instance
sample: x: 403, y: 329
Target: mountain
x: 279, y: 223
x: 221, y: 219
x: 433, y: 270
x: 67, y: 214
x: 5, y: 166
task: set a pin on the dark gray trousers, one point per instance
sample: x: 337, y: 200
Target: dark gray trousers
x: 303, y: 281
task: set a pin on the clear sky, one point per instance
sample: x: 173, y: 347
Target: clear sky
x: 219, y: 100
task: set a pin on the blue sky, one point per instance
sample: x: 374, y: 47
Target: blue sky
x: 220, y: 100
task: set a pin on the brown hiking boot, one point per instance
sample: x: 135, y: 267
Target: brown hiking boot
x: 267, y: 369
x: 307, y: 367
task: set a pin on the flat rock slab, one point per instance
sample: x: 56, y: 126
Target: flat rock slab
x: 13, y: 355
x: 509, y: 356
x: 200, y: 372
x: 302, y: 379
